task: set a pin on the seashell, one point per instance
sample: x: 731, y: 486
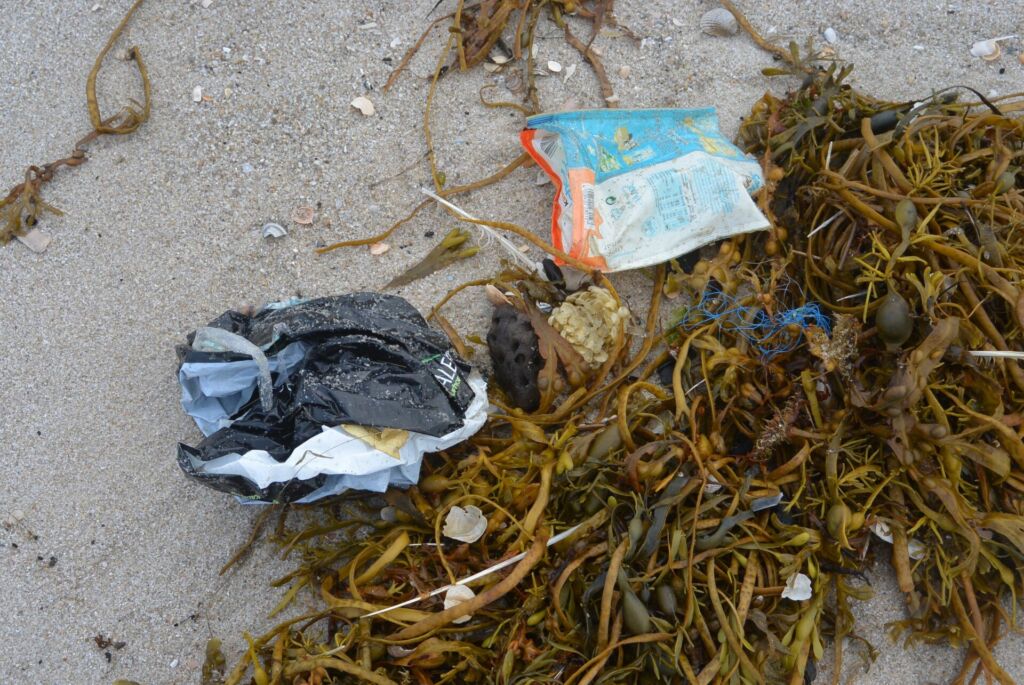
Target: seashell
x: 554, y: 67
x: 830, y: 36
x: 798, y: 588
x: 37, y: 241
x: 457, y: 594
x: 465, y: 525
x: 303, y: 215
x: 719, y: 22
x: 882, y: 530
x: 273, y: 230
x: 989, y: 50
x: 377, y: 249
x: 364, y: 105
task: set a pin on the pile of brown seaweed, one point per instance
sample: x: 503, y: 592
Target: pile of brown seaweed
x: 703, y: 504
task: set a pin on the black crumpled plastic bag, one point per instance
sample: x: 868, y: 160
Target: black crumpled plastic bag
x: 372, y: 360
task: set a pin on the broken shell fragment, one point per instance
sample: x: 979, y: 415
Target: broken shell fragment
x: 465, y: 525
x: 457, y: 594
x: 303, y: 215
x: 273, y: 230
x: 989, y: 50
x: 377, y: 249
x: 719, y: 22
x: 364, y: 105
x: 798, y: 588
x: 197, y: 94
x: 36, y: 240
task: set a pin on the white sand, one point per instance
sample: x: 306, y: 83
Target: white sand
x: 160, y: 235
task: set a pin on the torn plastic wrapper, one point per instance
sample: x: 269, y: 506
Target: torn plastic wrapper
x: 362, y: 387
x: 639, y: 187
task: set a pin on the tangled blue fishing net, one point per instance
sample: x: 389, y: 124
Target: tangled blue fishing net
x: 771, y: 332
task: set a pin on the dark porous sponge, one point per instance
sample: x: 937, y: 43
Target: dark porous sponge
x: 515, y: 356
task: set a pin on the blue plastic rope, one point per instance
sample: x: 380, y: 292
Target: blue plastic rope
x: 771, y: 334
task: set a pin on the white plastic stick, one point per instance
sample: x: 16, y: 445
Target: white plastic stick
x: 997, y: 354
x: 487, y: 230
x: 476, y: 576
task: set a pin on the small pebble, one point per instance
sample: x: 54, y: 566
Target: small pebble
x: 96, y: 7
x: 174, y: 664
x: 246, y: 168
x: 395, y: 42
x: 197, y: 94
x: 554, y: 67
x: 830, y: 35
x: 625, y: 70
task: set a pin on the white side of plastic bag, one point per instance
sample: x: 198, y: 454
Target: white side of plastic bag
x: 348, y: 462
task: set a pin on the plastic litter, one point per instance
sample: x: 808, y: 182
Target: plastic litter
x: 638, y: 187
x: 309, y: 398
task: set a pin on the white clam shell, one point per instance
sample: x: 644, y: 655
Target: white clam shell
x: 465, y: 525
x: 457, y: 594
x: 274, y: 230
x: 719, y: 22
x: 364, y: 105
x: 798, y: 588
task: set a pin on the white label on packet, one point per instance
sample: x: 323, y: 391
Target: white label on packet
x: 672, y: 208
